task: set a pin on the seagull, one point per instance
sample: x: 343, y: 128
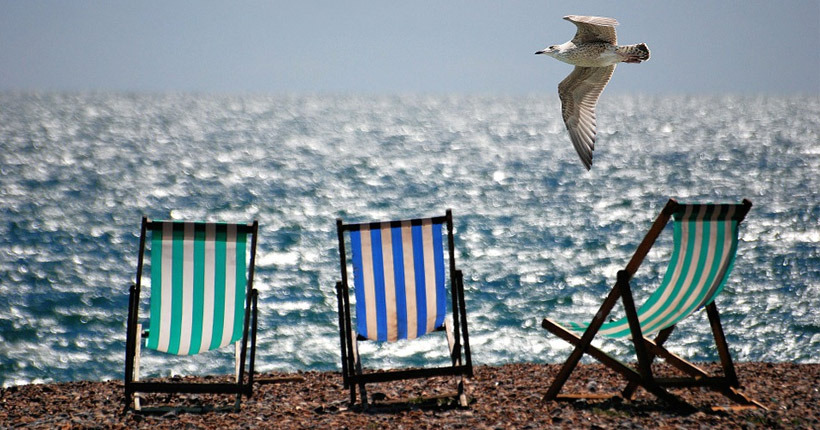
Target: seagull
x: 594, y: 52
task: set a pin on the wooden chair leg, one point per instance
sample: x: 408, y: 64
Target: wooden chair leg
x: 461, y: 395
x: 455, y: 358
x: 616, y: 365
x: 644, y: 359
x: 136, y: 377
x: 722, y: 346
x: 662, y: 336
x: 462, y: 314
x: 357, y: 368
x: 582, y: 345
x: 363, y: 395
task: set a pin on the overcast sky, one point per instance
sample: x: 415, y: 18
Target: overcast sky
x: 386, y: 47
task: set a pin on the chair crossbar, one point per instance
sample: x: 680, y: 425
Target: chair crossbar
x: 401, y: 374
x: 682, y: 382
x: 191, y: 387
x: 605, y: 358
x: 705, y: 244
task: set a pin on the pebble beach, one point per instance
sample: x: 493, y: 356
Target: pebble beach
x: 501, y: 397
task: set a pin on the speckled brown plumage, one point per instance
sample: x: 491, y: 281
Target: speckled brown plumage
x: 594, y: 52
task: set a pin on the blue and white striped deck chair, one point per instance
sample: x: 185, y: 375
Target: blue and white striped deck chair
x: 400, y: 271
x: 705, y: 239
x: 202, y: 299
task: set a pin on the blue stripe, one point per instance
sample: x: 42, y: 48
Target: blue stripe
x: 358, y: 283
x: 398, y: 274
x: 438, y: 254
x: 378, y: 279
x: 421, y: 292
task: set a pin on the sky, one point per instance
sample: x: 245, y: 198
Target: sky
x: 392, y: 47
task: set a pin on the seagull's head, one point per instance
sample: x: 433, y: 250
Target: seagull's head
x: 551, y: 51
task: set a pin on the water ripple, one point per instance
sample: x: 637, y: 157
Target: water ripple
x: 536, y: 236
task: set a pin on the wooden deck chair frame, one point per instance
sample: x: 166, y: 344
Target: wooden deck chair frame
x: 647, y: 349
x: 244, y: 375
x: 455, y: 325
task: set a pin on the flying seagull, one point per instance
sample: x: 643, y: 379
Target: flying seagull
x: 594, y: 52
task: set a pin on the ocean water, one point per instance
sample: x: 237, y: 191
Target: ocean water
x: 536, y: 235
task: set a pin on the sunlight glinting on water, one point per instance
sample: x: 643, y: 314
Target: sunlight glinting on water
x: 536, y: 236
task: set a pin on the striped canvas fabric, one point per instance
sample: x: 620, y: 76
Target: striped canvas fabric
x: 705, y: 243
x: 398, y: 275
x: 198, y: 286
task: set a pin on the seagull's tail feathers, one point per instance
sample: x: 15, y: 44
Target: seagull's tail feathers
x: 633, y: 53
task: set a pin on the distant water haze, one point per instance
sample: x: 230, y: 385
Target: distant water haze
x: 536, y: 235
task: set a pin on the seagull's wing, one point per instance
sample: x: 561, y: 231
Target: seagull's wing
x: 579, y: 94
x: 593, y: 29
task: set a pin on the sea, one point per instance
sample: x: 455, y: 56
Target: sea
x: 536, y: 235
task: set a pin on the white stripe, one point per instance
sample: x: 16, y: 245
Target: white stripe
x: 369, y: 284
x: 208, y: 288
x: 166, y: 291
x: 689, y: 281
x: 409, y: 279
x: 692, y: 287
x: 728, y: 238
x: 429, y: 272
x: 707, y: 265
x: 674, y: 279
x: 187, y: 288
x: 230, y: 285
x: 389, y: 282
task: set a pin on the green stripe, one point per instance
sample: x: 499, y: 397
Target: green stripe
x: 676, y: 288
x: 219, y: 287
x: 695, y: 269
x: 730, y: 258
x: 239, y: 316
x: 176, y: 289
x: 656, y: 296
x: 720, y: 252
x: 576, y: 326
x: 712, y: 273
x: 156, y: 289
x: 687, y: 264
x: 677, y: 235
x: 699, y: 255
x: 730, y: 264
x: 199, y: 290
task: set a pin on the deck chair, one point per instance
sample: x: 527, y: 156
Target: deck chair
x: 705, y: 243
x: 399, y: 280
x: 202, y: 298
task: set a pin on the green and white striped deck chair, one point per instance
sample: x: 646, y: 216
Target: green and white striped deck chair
x: 705, y: 238
x: 202, y: 299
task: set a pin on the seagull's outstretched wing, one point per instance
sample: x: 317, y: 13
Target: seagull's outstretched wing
x: 579, y: 94
x: 593, y: 29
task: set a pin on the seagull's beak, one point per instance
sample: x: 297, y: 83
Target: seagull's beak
x: 543, y: 51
